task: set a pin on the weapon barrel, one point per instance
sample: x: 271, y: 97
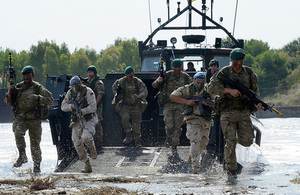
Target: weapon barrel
x: 246, y: 91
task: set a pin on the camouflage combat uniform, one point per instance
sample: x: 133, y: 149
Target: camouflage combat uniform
x: 98, y: 87
x: 87, y: 104
x: 131, y: 109
x: 198, y: 123
x: 173, y: 116
x: 235, y: 112
x: 27, y: 115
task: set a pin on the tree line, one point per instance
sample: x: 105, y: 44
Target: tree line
x: 277, y: 70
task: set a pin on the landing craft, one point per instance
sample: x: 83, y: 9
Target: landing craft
x: 151, y: 54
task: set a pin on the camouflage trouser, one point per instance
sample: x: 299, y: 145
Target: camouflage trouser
x: 98, y: 137
x: 81, y: 137
x: 237, y: 128
x: 20, y: 127
x: 198, y: 130
x: 133, y: 114
x: 173, y: 117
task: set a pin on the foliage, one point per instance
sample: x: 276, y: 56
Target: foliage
x: 277, y: 70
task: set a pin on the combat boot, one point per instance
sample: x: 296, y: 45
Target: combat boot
x: 196, y: 169
x: 138, y: 143
x: 36, y: 167
x: 87, y: 167
x: 22, y: 158
x: 190, y: 160
x: 232, y: 175
x: 128, y: 139
x: 168, y: 142
x: 93, y: 152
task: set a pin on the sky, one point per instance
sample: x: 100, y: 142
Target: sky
x: 98, y: 23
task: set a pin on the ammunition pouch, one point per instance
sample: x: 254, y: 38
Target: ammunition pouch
x: 43, y: 112
x: 32, y: 114
x: 162, y: 98
x: 225, y: 104
x: 188, y: 110
x: 88, y: 117
x: 206, y: 114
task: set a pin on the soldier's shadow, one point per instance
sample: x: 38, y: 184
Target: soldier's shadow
x: 176, y: 165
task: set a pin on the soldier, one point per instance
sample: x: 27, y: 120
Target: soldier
x: 213, y: 69
x: 172, y: 110
x: 81, y: 101
x: 133, y: 103
x: 198, y: 121
x: 97, y: 86
x: 26, y: 98
x: 235, y: 108
x: 190, y: 66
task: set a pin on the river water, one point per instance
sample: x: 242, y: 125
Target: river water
x: 270, y: 172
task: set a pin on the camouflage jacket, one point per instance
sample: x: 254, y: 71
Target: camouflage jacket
x: 98, y: 87
x: 172, y: 82
x: 227, y: 102
x: 25, y: 107
x: 135, y: 86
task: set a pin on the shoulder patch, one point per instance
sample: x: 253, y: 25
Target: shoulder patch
x: 91, y: 93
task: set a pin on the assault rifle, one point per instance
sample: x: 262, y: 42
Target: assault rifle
x: 12, y: 73
x: 117, y: 96
x: 200, y: 100
x: 161, y: 68
x: 236, y: 84
x: 161, y: 96
x: 78, y: 113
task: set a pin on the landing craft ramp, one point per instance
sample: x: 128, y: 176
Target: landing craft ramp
x: 129, y: 161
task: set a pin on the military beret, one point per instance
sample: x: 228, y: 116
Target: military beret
x: 92, y: 68
x: 200, y: 75
x: 177, y: 62
x: 129, y: 69
x: 27, y: 69
x: 214, y: 62
x: 237, y: 54
x: 74, y: 80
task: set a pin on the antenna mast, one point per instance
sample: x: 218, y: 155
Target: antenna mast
x: 235, y: 17
x: 150, y: 16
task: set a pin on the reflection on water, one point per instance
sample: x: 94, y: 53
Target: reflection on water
x: 268, y: 170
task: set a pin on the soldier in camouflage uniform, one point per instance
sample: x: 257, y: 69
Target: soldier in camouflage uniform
x: 198, y: 123
x: 213, y: 69
x: 83, y: 123
x: 173, y: 116
x: 132, y: 105
x: 97, y: 86
x: 26, y: 98
x: 235, y: 108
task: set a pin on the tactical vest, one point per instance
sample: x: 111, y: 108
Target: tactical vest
x: 82, y: 103
x: 207, y: 110
x: 92, y: 85
x: 40, y: 111
x: 227, y: 102
x: 142, y: 103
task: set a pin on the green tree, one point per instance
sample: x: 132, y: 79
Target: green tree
x: 79, y: 63
x: 255, y: 47
x: 51, y: 66
x: 91, y: 54
x: 271, y: 68
x: 128, y: 54
x: 63, y: 64
x: 109, y: 61
x: 293, y: 48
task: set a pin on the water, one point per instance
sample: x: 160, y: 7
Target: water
x: 267, y: 170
